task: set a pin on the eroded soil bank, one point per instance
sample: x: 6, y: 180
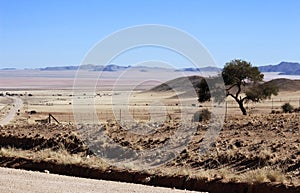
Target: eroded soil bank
x: 245, y: 144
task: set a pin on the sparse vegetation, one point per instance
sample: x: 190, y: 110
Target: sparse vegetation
x: 248, y: 148
x: 60, y: 156
x: 287, y: 108
x: 263, y: 175
x: 261, y: 144
x: 203, y: 115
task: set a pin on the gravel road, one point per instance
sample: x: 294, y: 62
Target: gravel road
x: 13, y: 111
x: 21, y: 181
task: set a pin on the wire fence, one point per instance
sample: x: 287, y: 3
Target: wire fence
x: 266, y: 106
x: 171, y: 112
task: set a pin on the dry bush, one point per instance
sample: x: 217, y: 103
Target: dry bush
x: 265, y: 155
x: 287, y: 108
x: 263, y: 175
x: 202, y: 115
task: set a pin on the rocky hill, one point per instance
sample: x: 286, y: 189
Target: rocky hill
x: 285, y: 68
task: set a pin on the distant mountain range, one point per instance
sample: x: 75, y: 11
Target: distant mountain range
x: 59, y: 68
x: 113, y: 68
x: 8, y: 69
x: 204, y: 69
x: 90, y: 67
x: 284, y: 68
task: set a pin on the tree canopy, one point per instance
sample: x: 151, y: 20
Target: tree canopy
x: 243, y: 83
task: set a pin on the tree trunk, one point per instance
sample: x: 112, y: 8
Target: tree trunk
x: 241, y: 105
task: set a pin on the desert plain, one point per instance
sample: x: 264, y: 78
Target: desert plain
x: 262, y: 148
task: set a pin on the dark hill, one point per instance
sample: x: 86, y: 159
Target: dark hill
x: 182, y: 84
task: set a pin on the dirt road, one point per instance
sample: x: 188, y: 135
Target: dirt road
x: 13, y: 111
x: 21, y: 181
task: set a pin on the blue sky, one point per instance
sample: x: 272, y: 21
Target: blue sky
x: 58, y: 33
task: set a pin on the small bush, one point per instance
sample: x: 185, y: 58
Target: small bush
x: 202, y: 115
x: 287, y: 108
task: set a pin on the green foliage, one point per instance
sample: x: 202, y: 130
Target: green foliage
x: 287, y: 108
x: 239, y: 72
x: 212, y: 87
x: 203, y: 93
x: 239, y: 76
x: 261, y: 92
x: 202, y: 115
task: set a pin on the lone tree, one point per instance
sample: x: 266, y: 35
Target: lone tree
x: 243, y: 83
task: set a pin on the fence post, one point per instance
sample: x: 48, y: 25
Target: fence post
x: 225, y: 110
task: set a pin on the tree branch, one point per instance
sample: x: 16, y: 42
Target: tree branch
x: 231, y: 87
x: 239, y: 91
x: 234, y: 97
x: 243, y: 99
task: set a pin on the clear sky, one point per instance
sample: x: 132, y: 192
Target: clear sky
x: 60, y: 32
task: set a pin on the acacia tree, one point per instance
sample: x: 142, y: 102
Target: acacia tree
x: 243, y: 83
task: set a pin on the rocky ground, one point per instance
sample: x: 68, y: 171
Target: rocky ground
x: 252, y: 149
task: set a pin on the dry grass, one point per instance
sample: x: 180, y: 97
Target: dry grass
x: 60, y: 156
x: 227, y: 174
x: 263, y: 175
x: 253, y: 176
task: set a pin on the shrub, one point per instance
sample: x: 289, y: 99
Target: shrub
x: 202, y: 115
x: 287, y: 108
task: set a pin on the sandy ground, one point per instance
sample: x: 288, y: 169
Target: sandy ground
x: 17, y: 181
x: 140, y: 106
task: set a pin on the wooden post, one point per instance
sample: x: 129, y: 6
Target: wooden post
x: 49, y: 118
x: 225, y: 110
